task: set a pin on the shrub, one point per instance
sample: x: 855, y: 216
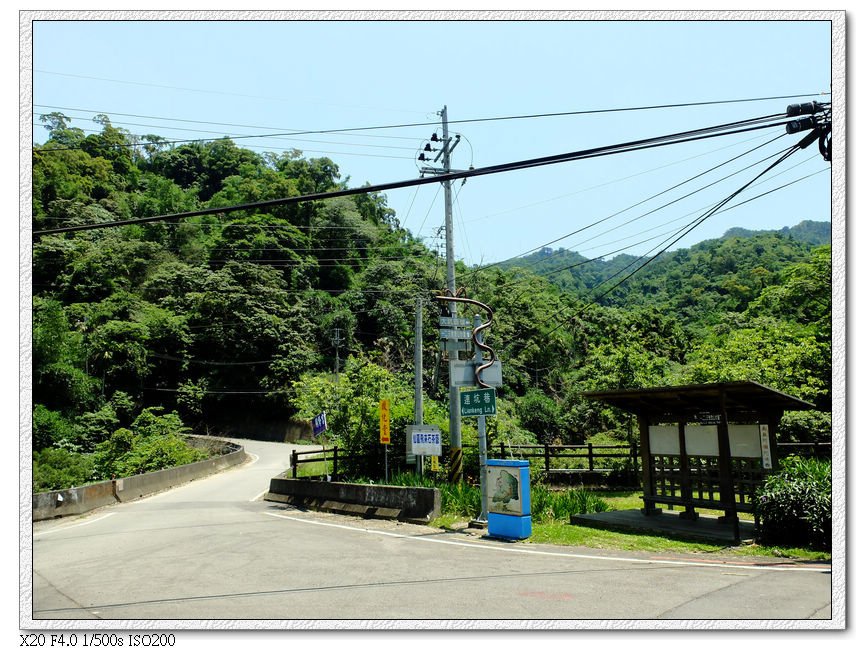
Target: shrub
x: 153, y: 443
x: 155, y: 453
x: 58, y: 469
x: 461, y: 499
x: 794, y: 506
x: 52, y: 429
x: 549, y: 505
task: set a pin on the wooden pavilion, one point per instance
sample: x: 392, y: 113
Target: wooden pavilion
x: 705, y: 445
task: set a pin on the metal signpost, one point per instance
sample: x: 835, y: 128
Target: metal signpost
x: 384, y: 429
x: 319, y: 426
x: 487, y: 374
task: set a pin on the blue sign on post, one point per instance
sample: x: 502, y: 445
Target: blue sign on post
x: 509, y: 499
x: 319, y: 424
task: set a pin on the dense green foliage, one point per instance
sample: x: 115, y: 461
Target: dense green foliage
x: 795, y: 504
x: 236, y: 321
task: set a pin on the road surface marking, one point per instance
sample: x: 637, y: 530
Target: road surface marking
x: 477, y: 545
x: 83, y: 523
x: 259, y: 495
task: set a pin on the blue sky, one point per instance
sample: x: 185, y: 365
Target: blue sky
x: 205, y: 79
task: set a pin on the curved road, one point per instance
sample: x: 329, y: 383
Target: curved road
x: 213, y: 550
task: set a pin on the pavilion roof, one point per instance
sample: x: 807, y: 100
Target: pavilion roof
x: 741, y: 397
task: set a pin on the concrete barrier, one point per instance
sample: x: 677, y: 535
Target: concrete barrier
x: 76, y: 501
x: 412, y: 504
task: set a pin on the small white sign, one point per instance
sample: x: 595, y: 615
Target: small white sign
x: 764, y: 446
x: 424, y: 440
x: 455, y: 335
x: 449, y: 321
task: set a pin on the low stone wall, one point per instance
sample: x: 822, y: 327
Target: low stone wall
x: 413, y: 504
x: 76, y: 501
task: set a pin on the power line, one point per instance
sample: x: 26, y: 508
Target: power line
x: 681, y: 233
x: 636, y: 145
x: 669, y: 189
x: 241, y: 126
x: 514, y: 117
x: 236, y: 135
x: 629, y: 246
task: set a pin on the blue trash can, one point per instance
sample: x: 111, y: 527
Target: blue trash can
x: 509, y: 505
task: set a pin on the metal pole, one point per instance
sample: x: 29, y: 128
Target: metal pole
x: 456, y: 452
x: 482, y: 432
x: 418, y: 374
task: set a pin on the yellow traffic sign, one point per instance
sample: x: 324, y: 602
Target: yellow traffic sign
x: 384, y: 421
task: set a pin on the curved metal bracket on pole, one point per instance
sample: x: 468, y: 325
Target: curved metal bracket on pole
x: 477, y: 330
x: 459, y: 292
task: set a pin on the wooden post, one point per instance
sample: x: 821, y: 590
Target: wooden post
x: 685, y: 476
x: 648, y: 476
x: 335, y: 455
x: 591, y: 458
x: 725, y: 467
x: 294, y: 463
x: 547, y: 457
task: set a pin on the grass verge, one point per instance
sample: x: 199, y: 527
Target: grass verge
x: 563, y: 533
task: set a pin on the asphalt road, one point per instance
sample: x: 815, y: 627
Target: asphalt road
x: 212, y: 550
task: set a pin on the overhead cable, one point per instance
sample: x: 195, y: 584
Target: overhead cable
x: 677, y: 138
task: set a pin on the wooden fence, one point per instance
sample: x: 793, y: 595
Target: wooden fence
x: 807, y: 449
x: 557, y: 459
x: 317, y: 456
x: 574, y: 459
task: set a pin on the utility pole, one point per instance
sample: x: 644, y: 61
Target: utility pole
x: 456, y: 439
x: 447, y: 146
x: 418, y: 374
x: 336, y: 340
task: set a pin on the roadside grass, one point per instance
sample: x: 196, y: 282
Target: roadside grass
x: 563, y: 533
x: 551, y: 525
x: 314, y: 468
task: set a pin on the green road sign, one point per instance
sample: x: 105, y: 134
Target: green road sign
x: 478, y: 402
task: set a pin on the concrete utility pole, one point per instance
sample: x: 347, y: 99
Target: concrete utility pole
x: 418, y: 373
x: 336, y: 339
x: 456, y: 439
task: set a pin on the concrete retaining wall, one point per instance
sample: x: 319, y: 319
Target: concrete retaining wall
x: 415, y: 504
x: 75, y: 501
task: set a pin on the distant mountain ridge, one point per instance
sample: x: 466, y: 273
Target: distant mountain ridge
x: 723, y: 273
x: 811, y: 233
x: 815, y: 233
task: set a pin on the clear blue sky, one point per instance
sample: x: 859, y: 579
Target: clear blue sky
x: 252, y: 78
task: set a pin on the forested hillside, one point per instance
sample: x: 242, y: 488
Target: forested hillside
x: 233, y: 323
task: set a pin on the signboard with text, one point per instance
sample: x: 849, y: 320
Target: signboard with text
x: 475, y: 403
x: 319, y: 424
x: 384, y: 421
x: 424, y: 440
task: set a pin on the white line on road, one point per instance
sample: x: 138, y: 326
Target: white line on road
x: 486, y: 547
x: 83, y: 523
x: 259, y: 495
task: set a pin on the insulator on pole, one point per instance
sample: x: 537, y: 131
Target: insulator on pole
x: 808, y: 108
x: 801, y: 124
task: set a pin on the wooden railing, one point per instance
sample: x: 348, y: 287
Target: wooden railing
x: 594, y: 455
x: 317, y: 456
x: 808, y: 449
